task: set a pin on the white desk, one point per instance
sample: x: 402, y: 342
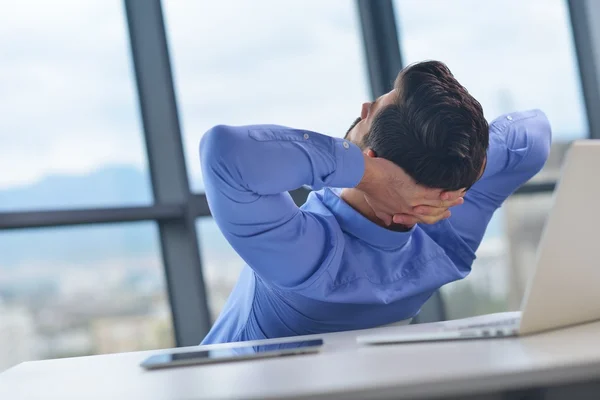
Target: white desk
x: 342, y: 370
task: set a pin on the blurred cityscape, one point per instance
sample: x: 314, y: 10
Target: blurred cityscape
x: 507, y: 255
x: 104, y: 309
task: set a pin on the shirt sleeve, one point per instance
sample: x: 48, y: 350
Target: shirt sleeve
x: 519, y: 147
x: 247, y: 172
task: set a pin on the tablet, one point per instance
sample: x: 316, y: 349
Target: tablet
x: 242, y: 353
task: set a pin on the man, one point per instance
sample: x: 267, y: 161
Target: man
x: 378, y: 238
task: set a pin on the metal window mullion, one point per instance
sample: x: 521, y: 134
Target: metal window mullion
x: 380, y: 39
x: 179, y: 243
x: 52, y: 218
x: 585, y: 24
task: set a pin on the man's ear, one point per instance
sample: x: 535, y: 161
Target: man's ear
x: 370, y: 153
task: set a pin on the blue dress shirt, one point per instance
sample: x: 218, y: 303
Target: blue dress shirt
x: 324, y: 267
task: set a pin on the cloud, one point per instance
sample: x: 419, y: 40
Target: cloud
x: 68, y: 100
x: 69, y: 103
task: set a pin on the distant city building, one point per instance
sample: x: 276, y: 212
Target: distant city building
x: 120, y: 334
x: 17, y: 336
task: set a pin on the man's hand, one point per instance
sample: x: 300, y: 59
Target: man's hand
x: 396, y: 197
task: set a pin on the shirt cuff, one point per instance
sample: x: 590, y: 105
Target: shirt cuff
x: 350, y: 165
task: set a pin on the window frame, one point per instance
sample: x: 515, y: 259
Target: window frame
x: 176, y: 208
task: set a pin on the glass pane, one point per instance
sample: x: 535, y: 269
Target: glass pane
x: 526, y: 217
x: 510, y: 55
x: 220, y: 263
x: 486, y: 288
x: 84, y: 290
x: 70, y: 130
x: 505, y: 262
x: 295, y: 63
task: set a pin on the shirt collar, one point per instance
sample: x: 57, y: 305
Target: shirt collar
x: 357, y: 225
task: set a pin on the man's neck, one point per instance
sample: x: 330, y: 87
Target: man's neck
x: 356, y: 199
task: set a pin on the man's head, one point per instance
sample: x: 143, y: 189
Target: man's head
x: 429, y: 125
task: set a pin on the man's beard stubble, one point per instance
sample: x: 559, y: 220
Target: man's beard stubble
x: 356, y: 121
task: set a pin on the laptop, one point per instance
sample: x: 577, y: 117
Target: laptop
x: 564, y: 288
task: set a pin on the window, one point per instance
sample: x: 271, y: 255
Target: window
x: 524, y: 230
x: 70, y: 130
x: 84, y: 290
x: 265, y: 62
x: 221, y: 264
x: 260, y: 62
x: 510, y: 55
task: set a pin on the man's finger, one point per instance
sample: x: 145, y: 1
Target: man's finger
x: 429, y: 220
x: 429, y: 211
x: 432, y: 194
x: 385, y: 218
x: 443, y: 203
x: 449, y: 196
x: 381, y: 211
x: 439, y: 194
x: 457, y: 202
x: 405, y: 219
x: 438, y: 203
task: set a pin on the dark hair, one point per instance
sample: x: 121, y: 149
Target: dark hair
x: 435, y: 130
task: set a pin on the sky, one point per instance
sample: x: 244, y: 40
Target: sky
x: 510, y: 54
x: 68, y: 97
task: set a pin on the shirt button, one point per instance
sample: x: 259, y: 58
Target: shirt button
x: 508, y: 117
x: 306, y: 136
x: 346, y: 145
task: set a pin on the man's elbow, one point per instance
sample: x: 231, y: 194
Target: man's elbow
x: 214, y: 145
x: 532, y: 143
x: 541, y: 142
